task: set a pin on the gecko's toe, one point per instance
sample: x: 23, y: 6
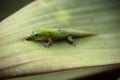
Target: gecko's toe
x: 46, y: 45
x: 74, y: 43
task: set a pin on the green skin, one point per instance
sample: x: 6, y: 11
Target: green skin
x: 58, y: 33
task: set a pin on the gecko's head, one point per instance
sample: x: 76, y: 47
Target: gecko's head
x: 34, y: 36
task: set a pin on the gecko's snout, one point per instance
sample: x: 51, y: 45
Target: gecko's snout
x: 27, y: 38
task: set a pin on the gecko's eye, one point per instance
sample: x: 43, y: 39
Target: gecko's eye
x: 36, y: 34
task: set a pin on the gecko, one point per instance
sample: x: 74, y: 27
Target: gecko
x: 57, y: 33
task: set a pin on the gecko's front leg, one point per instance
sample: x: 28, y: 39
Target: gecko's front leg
x: 70, y: 39
x: 48, y: 44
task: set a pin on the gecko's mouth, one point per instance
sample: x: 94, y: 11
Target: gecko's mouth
x: 28, y: 38
x: 38, y: 39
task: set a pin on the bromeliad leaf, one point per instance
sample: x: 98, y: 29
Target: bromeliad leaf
x: 19, y: 57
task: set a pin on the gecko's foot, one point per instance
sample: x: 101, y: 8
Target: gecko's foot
x: 74, y: 43
x: 46, y: 45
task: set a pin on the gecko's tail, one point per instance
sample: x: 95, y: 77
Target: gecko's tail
x: 77, y: 33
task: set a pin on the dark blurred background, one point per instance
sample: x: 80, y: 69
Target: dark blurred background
x: 112, y: 74
x: 7, y: 7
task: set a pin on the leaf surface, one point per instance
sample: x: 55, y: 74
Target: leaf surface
x: 19, y: 57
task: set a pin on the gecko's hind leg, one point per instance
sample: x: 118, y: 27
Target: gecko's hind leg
x: 71, y: 40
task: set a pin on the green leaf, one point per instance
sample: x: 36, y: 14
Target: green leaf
x: 70, y: 74
x: 19, y: 57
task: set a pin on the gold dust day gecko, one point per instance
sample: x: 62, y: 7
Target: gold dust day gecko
x: 57, y: 33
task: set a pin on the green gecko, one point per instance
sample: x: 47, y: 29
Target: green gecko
x: 57, y: 33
